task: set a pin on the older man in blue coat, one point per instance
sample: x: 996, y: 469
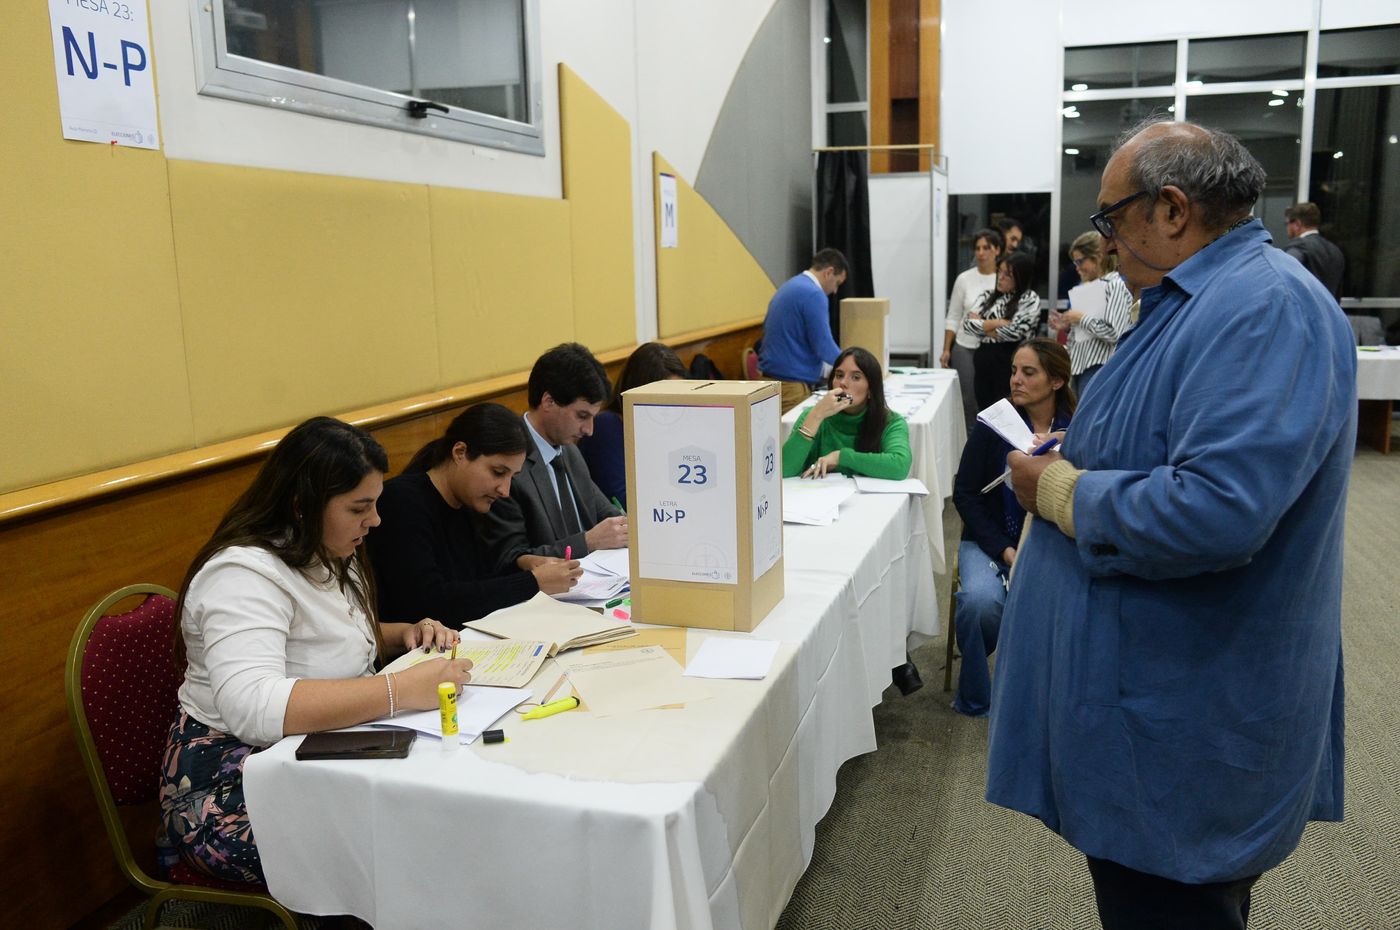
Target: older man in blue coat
x: 1169, y: 690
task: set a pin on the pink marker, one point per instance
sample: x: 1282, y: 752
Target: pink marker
x: 568, y: 553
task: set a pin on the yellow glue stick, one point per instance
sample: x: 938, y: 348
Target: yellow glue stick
x: 447, y: 709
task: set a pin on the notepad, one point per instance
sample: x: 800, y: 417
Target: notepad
x: 509, y: 663
x: 1007, y: 423
x: 563, y: 626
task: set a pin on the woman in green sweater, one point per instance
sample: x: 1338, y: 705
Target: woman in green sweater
x: 850, y: 430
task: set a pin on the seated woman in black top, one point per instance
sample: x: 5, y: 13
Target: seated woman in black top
x: 604, y: 449
x: 1041, y: 393
x: 427, y: 556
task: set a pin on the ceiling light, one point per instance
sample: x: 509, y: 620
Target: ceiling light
x: 1280, y: 93
x: 826, y: 39
x: 1275, y: 103
x: 1394, y: 139
x: 1195, y: 83
x: 1070, y: 112
x: 1171, y: 108
x: 1076, y: 151
x: 1336, y: 154
x: 1079, y: 87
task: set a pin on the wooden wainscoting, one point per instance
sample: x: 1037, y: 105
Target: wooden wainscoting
x: 64, y: 550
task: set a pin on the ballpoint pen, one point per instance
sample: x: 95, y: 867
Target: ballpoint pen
x: 1043, y: 448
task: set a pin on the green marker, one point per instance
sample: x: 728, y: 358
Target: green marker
x: 618, y: 504
x: 617, y: 602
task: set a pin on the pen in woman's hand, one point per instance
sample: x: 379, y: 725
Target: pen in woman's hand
x: 1043, y: 448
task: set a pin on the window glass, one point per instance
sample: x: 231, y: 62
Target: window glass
x: 364, y: 60
x: 846, y: 129
x: 845, y: 51
x: 1101, y: 66
x: 1349, y: 52
x: 1251, y: 58
x: 1355, y: 181
x: 1089, y: 130
x: 1269, y: 126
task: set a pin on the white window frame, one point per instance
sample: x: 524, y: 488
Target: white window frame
x: 249, y: 80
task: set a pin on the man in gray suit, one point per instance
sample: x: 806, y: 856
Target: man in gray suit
x: 554, y: 507
x: 1306, y: 244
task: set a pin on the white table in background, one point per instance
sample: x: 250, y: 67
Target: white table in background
x: 937, y: 434
x: 1377, y: 388
x: 693, y: 818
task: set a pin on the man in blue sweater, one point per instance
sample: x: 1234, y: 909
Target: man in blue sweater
x: 797, y: 347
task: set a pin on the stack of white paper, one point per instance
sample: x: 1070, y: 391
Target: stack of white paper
x: 477, y: 709
x: 604, y: 578
x: 888, y: 486
x: 725, y: 657
x: 815, y: 501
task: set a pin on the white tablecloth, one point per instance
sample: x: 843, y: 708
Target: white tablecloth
x: 937, y: 433
x: 698, y: 817
x: 1378, y: 374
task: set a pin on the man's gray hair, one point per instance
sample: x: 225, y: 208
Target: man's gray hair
x: 1212, y: 168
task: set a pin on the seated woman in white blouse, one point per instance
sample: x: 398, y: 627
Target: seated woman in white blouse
x: 279, y: 632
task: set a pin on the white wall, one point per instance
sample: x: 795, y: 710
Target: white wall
x: 665, y: 65
x: 1091, y: 22
x: 1000, y: 131
x: 999, y: 104
x: 1349, y: 14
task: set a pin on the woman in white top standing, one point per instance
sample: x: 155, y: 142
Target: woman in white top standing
x: 278, y: 628
x: 1093, y: 337
x: 969, y: 289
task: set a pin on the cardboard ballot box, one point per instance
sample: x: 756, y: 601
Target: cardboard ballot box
x: 865, y: 322
x: 704, y: 502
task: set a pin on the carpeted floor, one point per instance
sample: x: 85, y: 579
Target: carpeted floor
x: 909, y: 842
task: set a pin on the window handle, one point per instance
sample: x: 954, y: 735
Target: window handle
x: 418, y: 109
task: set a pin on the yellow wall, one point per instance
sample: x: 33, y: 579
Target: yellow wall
x: 152, y: 305
x: 709, y: 278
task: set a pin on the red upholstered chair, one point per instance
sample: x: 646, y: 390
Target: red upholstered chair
x: 751, y: 372
x: 121, y: 681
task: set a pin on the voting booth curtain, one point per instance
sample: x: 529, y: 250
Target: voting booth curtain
x: 843, y: 222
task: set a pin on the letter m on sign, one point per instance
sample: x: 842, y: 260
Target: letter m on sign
x: 71, y: 47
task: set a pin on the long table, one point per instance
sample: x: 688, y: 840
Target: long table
x: 690, y: 818
x: 1377, y: 388
x: 930, y: 399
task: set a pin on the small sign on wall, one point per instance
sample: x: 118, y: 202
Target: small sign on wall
x: 106, y: 80
x: 669, y: 228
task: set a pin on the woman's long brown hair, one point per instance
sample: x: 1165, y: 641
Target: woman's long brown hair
x: 282, y: 510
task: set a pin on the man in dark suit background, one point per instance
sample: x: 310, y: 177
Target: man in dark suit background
x: 1306, y: 244
x: 554, y: 506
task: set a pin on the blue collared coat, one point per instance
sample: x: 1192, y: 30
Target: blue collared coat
x: 1169, y: 683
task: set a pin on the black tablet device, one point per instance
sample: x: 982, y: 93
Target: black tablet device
x: 386, y: 743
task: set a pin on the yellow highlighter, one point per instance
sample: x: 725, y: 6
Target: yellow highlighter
x: 552, y: 708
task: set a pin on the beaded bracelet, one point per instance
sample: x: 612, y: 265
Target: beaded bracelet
x: 389, y: 683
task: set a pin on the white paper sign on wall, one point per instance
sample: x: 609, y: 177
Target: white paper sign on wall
x: 686, y: 495
x: 670, y: 235
x: 106, y: 76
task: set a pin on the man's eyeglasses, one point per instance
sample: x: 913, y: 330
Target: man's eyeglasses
x: 1100, y: 221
